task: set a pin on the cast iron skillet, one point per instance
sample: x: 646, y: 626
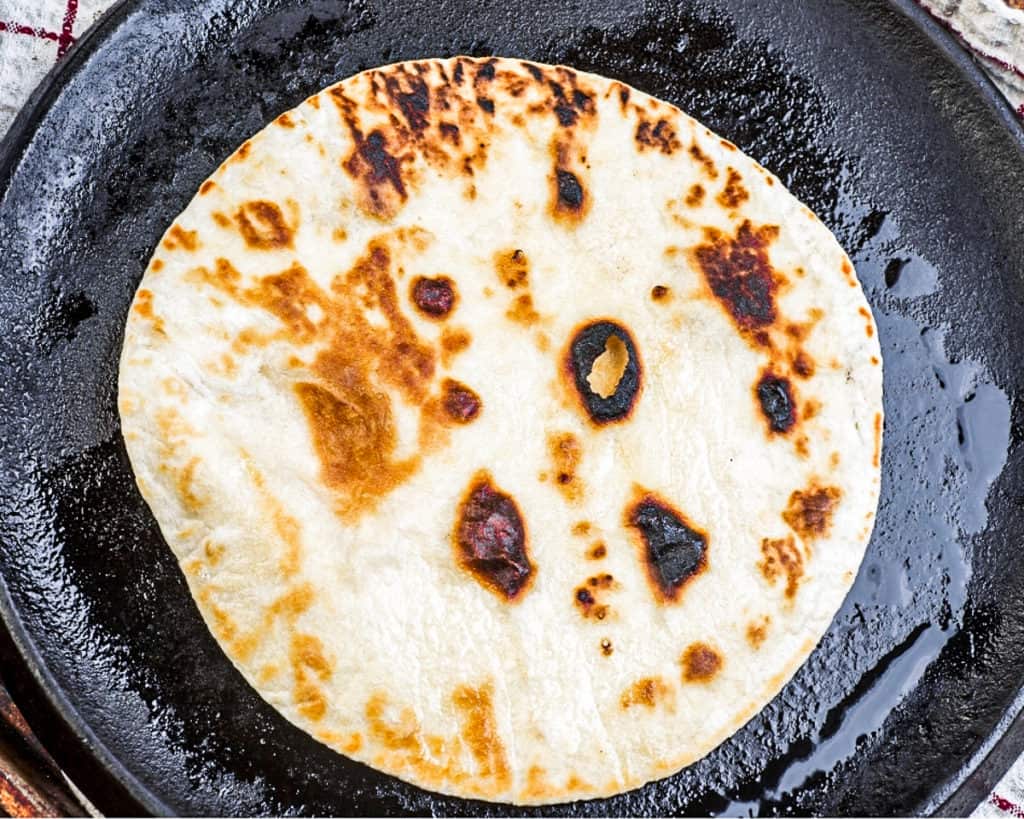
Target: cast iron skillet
x: 863, y: 108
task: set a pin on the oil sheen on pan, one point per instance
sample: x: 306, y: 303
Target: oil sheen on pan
x: 515, y: 434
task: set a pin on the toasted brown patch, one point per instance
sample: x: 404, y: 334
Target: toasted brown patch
x: 834, y: 459
x: 570, y: 200
x: 522, y: 311
x: 809, y: 511
x: 659, y: 135
x: 475, y: 707
x: 339, y: 234
x: 695, y: 195
x: 740, y: 275
x: 157, y: 265
x: 782, y: 558
x: 803, y: 364
x: 648, y: 692
x: 396, y: 732
x: 309, y: 666
x: 700, y: 662
x: 606, y: 647
x: 180, y: 239
x: 513, y: 268
x: 706, y: 162
x: 490, y: 539
x: 566, y: 452
x: 285, y: 121
x: 263, y: 226
x: 453, y: 342
x: 581, y: 528
x: 597, y: 551
x: 222, y: 220
x: 757, y: 632
x: 143, y: 307
x: 214, y: 551
x: 811, y: 409
x: 660, y: 292
x: 206, y: 187
x: 377, y: 169
x: 876, y: 458
x: 733, y: 194
x: 847, y: 270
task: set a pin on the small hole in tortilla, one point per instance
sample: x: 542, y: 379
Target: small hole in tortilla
x: 608, y: 368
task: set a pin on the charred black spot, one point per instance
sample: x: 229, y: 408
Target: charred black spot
x: 486, y: 71
x: 775, y: 396
x: 587, y: 345
x: 491, y: 539
x: 457, y: 73
x: 582, y: 100
x: 379, y: 165
x: 435, y: 297
x: 623, y: 95
x: 450, y: 132
x: 460, y: 403
x: 566, y: 114
x: 486, y: 105
x: 535, y: 72
x: 570, y: 191
x: 415, y: 103
x: 674, y: 551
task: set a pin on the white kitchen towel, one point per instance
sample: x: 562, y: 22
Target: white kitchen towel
x: 34, y: 34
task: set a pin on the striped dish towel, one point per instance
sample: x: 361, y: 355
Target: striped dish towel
x: 36, y: 33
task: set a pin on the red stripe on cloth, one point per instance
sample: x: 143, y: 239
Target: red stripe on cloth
x: 17, y: 28
x: 1006, y: 806
x: 66, y: 35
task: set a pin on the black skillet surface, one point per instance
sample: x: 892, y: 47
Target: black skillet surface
x: 861, y: 107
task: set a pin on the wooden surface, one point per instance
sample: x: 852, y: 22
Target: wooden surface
x: 30, y: 782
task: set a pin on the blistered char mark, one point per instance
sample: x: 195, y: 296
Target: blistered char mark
x: 740, y: 274
x: 460, y: 403
x: 775, y: 398
x: 490, y: 539
x: 589, y: 596
x: 589, y: 343
x: 782, y: 558
x: 659, y: 135
x: 434, y: 297
x: 674, y: 551
x: 733, y: 194
x: 379, y: 173
x: 809, y: 511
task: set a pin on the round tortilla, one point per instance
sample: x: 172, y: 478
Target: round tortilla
x: 517, y: 435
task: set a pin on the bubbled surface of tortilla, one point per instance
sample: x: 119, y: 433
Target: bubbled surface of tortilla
x: 350, y: 361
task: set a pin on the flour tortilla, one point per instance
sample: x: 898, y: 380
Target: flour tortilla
x: 303, y: 432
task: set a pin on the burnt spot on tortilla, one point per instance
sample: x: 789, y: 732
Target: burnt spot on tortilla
x: 588, y: 596
x: 660, y: 292
x: 740, y: 275
x: 803, y: 364
x: 780, y: 558
x: 378, y: 172
x: 733, y: 194
x: 695, y: 195
x: 460, y: 403
x: 611, y: 341
x: 450, y: 132
x: 486, y: 104
x: 243, y: 149
x: 490, y: 539
x: 701, y: 663
x: 809, y: 511
x: 569, y: 193
x: 409, y: 93
x: 180, y: 239
x: 757, y: 632
x: 285, y: 121
x: 606, y: 647
x: 597, y: 551
x: 660, y: 136
x: 263, y: 226
x: 674, y: 550
x: 434, y: 297
x: 775, y: 397
x: 566, y: 452
x: 206, y: 187
x: 513, y: 268
x: 648, y: 692
x: 706, y: 162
